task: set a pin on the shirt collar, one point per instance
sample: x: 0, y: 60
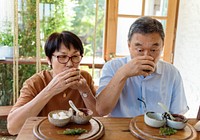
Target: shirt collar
x: 158, y: 68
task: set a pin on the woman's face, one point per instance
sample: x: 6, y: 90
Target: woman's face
x: 63, y: 55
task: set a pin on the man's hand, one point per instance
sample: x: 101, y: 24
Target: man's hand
x: 140, y: 65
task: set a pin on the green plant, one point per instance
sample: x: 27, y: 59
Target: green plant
x: 6, y: 39
x: 6, y: 35
x: 167, y: 131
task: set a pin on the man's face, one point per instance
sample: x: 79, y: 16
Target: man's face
x: 146, y: 44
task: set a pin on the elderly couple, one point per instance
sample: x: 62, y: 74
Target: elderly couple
x: 128, y: 87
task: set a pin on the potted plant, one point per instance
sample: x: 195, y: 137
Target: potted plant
x: 6, y: 41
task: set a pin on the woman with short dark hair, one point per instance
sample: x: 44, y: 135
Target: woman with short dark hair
x: 51, y: 90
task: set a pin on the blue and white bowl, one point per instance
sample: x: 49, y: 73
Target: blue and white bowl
x: 154, y: 119
x: 179, y: 122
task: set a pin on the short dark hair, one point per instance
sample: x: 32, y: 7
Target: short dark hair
x: 55, y: 40
x: 145, y: 25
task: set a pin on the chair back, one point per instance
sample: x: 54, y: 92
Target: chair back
x: 4, y: 111
x: 198, y: 114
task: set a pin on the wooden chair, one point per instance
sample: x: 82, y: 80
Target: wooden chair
x: 198, y: 114
x: 4, y: 111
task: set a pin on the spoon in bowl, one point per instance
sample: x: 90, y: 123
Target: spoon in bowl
x: 80, y: 113
x: 166, y: 110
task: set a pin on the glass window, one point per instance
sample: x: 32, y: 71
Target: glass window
x: 78, y: 17
x: 133, y: 7
x: 6, y: 51
x: 156, y: 7
x: 122, y: 35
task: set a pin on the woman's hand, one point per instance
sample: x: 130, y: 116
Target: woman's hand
x: 64, y: 80
x: 80, y: 85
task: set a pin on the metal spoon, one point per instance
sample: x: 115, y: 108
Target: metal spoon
x: 166, y: 110
x: 80, y: 113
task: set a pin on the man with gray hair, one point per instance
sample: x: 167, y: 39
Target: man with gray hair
x: 133, y: 85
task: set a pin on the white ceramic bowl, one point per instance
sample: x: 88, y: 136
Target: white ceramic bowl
x: 179, y: 123
x: 83, y: 119
x: 59, y: 118
x: 154, y: 119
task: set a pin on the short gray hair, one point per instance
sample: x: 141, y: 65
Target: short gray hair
x: 145, y: 25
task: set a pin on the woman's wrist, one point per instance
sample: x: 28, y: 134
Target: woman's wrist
x: 84, y: 94
x: 84, y: 91
x: 84, y: 88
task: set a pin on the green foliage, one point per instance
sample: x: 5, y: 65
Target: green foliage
x: 6, y: 39
x: 6, y: 81
x: 85, y: 21
x: 6, y: 35
x: 56, y: 21
x: 27, y: 29
x: 75, y: 131
x: 167, y: 131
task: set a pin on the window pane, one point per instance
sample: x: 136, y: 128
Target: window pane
x: 6, y: 51
x: 27, y: 29
x: 163, y: 22
x: 156, y: 7
x: 122, y: 35
x: 26, y: 40
x: 133, y: 7
x: 78, y: 17
x: 6, y: 23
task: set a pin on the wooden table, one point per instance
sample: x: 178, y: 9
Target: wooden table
x: 115, y: 128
